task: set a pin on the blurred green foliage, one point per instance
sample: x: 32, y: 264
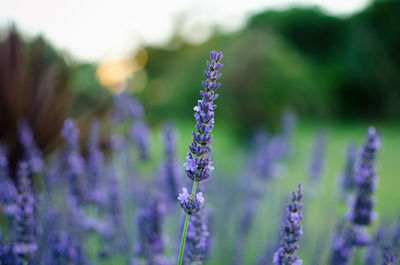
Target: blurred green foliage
x: 325, y: 67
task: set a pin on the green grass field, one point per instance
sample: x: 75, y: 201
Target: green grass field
x: 323, y: 210
x: 324, y: 205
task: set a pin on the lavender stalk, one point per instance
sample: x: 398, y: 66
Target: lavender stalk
x: 291, y: 232
x: 198, y: 163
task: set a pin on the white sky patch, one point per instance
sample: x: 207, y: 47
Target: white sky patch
x: 97, y: 30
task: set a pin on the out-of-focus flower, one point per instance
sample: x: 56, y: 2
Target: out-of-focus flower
x: 286, y: 254
x: 347, y: 179
x: 362, y: 206
x: 25, y: 245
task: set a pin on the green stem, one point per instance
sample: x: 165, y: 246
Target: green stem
x: 185, y: 227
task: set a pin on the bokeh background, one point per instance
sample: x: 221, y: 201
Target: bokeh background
x: 335, y: 65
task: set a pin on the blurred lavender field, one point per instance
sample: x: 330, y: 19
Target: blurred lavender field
x: 295, y: 161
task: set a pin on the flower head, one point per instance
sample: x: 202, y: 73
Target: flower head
x: 25, y: 245
x: 291, y: 232
x: 362, y: 206
x: 198, y: 164
x: 191, y: 204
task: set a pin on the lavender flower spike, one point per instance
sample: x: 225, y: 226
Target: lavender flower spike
x: 25, y: 245
x: 32, y: 154
x: 362, y: 207
x: 198, y: 163
x: 149, y: 222
x: 197, y: 239
x: 347, y: 180
x: 171, y: 170
x: 191, y: 204
x: 389, y: 257
x: 291, y: 232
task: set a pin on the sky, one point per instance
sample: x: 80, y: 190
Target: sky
x: 99, y: 30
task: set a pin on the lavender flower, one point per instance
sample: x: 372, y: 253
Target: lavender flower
x: 266, y: 160
x: 7, y: 255
x: 288, y: 124
x: 191, y: 204
x: 389, y: 257
x: 170, y: 169
x: 127, y: 108
x: 74, y: 167
x: 372, y: 254
x: 286, y: 254
x: 8, y: 191
x: 25, y: 245
x: 396, y: 237
x: 198, y: 164
x: 342, y: 244
x: 32, y: 154
x: 140, y: 134
x: 362, y: 207
x: 149, y: 221
x: 318, y: 157
x: 197, y: 240
x: 95, y: 164
x: 348, y: 175
x: 66, y: 249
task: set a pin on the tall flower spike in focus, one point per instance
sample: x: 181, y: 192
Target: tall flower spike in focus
x: 198, y: 164
x: 291, y: 232
x: 362, y: 213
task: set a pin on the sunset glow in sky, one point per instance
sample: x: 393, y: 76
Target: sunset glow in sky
x: 98, y: 30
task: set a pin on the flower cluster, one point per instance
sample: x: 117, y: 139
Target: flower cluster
x: 318, y: 156
x: 197, y: 242
x: 74, y: 161
x: 32, y: 154
x: 286, y: 254
x: 198, y: 165
x: 149, y: 221
x: 191, y: 204
x: 348, y: 175
x: 95, y: 163
x: 362, y: 207
x: 25, y: 245
x: 140, y: 134
x: 389, y: 256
